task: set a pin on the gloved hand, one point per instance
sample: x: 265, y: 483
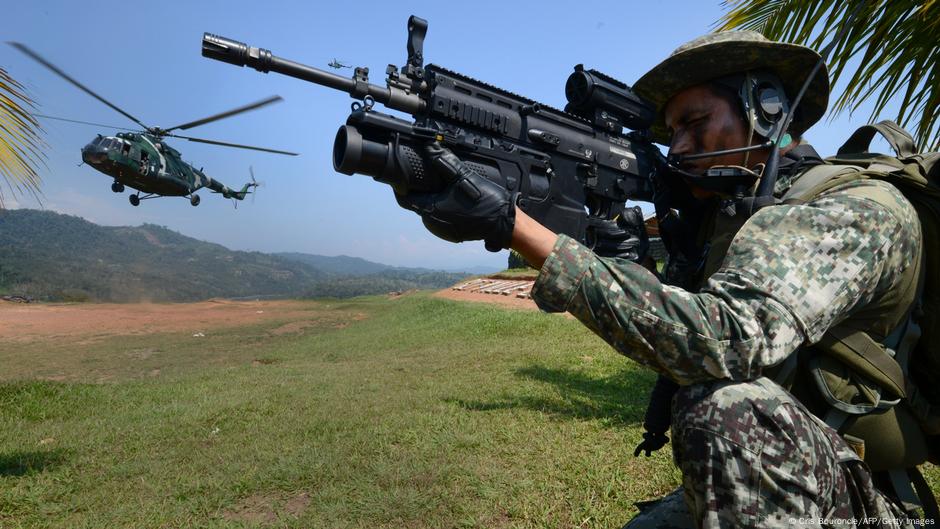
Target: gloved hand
x: 625, y: 239
x: 652, y: 441
x: 470, y: 208
x: 658, y: 416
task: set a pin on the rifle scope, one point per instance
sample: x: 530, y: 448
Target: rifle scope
x: 590, y: 92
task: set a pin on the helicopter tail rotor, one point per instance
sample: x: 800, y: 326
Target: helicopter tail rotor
x: 254, y: 183
x: 247, y: 188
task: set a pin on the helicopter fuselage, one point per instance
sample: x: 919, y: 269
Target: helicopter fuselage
x: 149, y: 165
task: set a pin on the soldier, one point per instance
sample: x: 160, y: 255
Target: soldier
x: 751, y: 454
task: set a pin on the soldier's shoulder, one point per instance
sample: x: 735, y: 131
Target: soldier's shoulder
x: 865, y: 185
x: 870, y: 193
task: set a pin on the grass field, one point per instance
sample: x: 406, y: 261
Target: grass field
x: 404, y: 412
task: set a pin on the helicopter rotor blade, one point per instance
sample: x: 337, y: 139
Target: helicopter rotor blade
x: 236, y: 145
x: 254, y: 183
x: 38, y: 58
x: 223, y: 115
x: 43, y: 116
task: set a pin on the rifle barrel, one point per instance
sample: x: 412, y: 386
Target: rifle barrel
x: 241, y: 54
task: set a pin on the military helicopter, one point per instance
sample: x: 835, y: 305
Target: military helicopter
x: 142, y: 160
x: 337, y: 64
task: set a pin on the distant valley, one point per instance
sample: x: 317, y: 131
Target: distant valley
x: 49, y: 256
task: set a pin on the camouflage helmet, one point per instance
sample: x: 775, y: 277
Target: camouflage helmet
x: 725, y: 53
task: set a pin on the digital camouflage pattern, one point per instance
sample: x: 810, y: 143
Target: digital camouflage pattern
x: 791, y: 273
x: 753, y: 456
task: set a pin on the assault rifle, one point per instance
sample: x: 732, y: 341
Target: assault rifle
x: 574, y: 169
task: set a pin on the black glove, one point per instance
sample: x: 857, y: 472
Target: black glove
x: 658, y: 416
x: 470, y: 207
x: 625, y: 239
x: 652, y: 441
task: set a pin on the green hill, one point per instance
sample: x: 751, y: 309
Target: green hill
x: 340, y: 264
x: 346, y: 265
x: 51, y: 256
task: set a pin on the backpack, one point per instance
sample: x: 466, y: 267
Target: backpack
x: 881, y: 392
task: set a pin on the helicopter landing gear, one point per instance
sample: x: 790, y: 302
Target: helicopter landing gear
x: 117, y: 187
x: 194, y: 200
x: 135, y: 200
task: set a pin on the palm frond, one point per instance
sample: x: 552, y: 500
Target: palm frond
x: 890, y: 54
x: 21, y: 146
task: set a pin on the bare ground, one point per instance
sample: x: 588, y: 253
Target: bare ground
x: 267, y: 509
x: 106, y: 342
x: 76, y: 342
x: 29, y: 322
x: 21, y: 322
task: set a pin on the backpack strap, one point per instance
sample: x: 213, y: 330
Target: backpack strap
x: 904, y: 489
x: 931, y: 509
x: 899, y: 139
x: 818, y: 179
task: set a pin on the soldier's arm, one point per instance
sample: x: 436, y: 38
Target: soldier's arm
x: 790, y: 274
x: 531, y: 239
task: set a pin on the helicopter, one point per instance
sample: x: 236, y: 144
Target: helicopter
x: 141, y: 159
x: 337, y: 64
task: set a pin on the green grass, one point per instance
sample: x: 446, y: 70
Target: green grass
x: 421, y: 412
x: 516, y: 273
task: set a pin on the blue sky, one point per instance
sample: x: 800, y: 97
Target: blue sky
x: 145, y: 57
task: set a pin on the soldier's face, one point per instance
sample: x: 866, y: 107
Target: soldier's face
x: 702, y: 120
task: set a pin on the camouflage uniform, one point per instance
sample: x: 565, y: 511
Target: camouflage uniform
x: 750, y: 454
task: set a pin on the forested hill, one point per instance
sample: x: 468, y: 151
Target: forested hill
x: 344, y: 264
x: 339, y: 264
x: 51, y: 256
